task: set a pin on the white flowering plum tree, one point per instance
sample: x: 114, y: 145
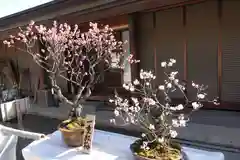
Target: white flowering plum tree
x: 69, y: 54
x: 152, y: 109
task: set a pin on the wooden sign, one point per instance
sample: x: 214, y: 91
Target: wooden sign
x: 87, y: 145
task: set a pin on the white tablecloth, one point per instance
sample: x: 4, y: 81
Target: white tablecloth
x: 106, y: 146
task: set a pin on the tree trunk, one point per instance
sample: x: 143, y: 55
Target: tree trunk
x: 75, y: 111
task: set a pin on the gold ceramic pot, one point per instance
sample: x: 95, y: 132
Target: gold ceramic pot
x: 73, y: 137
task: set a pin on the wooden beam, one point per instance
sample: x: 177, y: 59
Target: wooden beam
x: 54, y: 10
x: 121, y: 27
x: 125, y: 8
x: 47, y: 11
x: 93, y: 12
x: 173, y: 4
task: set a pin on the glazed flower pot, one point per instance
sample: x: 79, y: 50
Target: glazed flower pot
x: 178, y: 156
x: 73, y: 132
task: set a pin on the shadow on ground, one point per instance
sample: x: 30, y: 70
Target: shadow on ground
x: 35, y: 124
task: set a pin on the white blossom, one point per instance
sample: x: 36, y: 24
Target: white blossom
x: 182, y: 123
x: 201, y: 96
x: 172, y: 60
x: 215, y: 101
x: 137, y: 109
x: 112, y: 121
x: 116, y: 112
x: 170, y: 64
x: 196, y: 105
x: 135, y: 101
x: 171, y: 78
x: 43, y: 50
x: 151, y: 127
x: 136, y: 82
x: 150, y: 101
x: 129, y: 87
x: 169, y: 85
x: 172, y: 75
x: 179, y: 123
x: 179, y: 107
x: 161, y: 140
x: 176, y: 81
x: 181, y: 117
x: 181, y: 87
x: 173, y: 133
x: 175, y: 123
x: 163, y: 64
x: 146, y: 75
x: 161, y: 87
x: 195, y: 85
x: 132, y: 88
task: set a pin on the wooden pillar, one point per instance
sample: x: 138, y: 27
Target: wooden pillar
x: 155, y: 43
x: 132, y: 20
x: 185, y: 55
x: 184, y: 21
x: 219, y: 49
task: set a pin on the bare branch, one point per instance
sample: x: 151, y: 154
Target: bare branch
x: 57, y: 89
x: 70, y: 54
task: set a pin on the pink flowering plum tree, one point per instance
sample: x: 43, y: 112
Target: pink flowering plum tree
x: 69, y: 54
x: 151, y: 108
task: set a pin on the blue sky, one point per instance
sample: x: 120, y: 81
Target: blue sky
x: 8, y: 7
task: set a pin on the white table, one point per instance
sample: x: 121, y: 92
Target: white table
x: 106, y: 146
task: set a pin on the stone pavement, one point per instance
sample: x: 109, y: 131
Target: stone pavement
x: 207, y: 127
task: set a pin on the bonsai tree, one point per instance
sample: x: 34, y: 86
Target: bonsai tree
x: 152, y: 108
x: 69, y: 54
